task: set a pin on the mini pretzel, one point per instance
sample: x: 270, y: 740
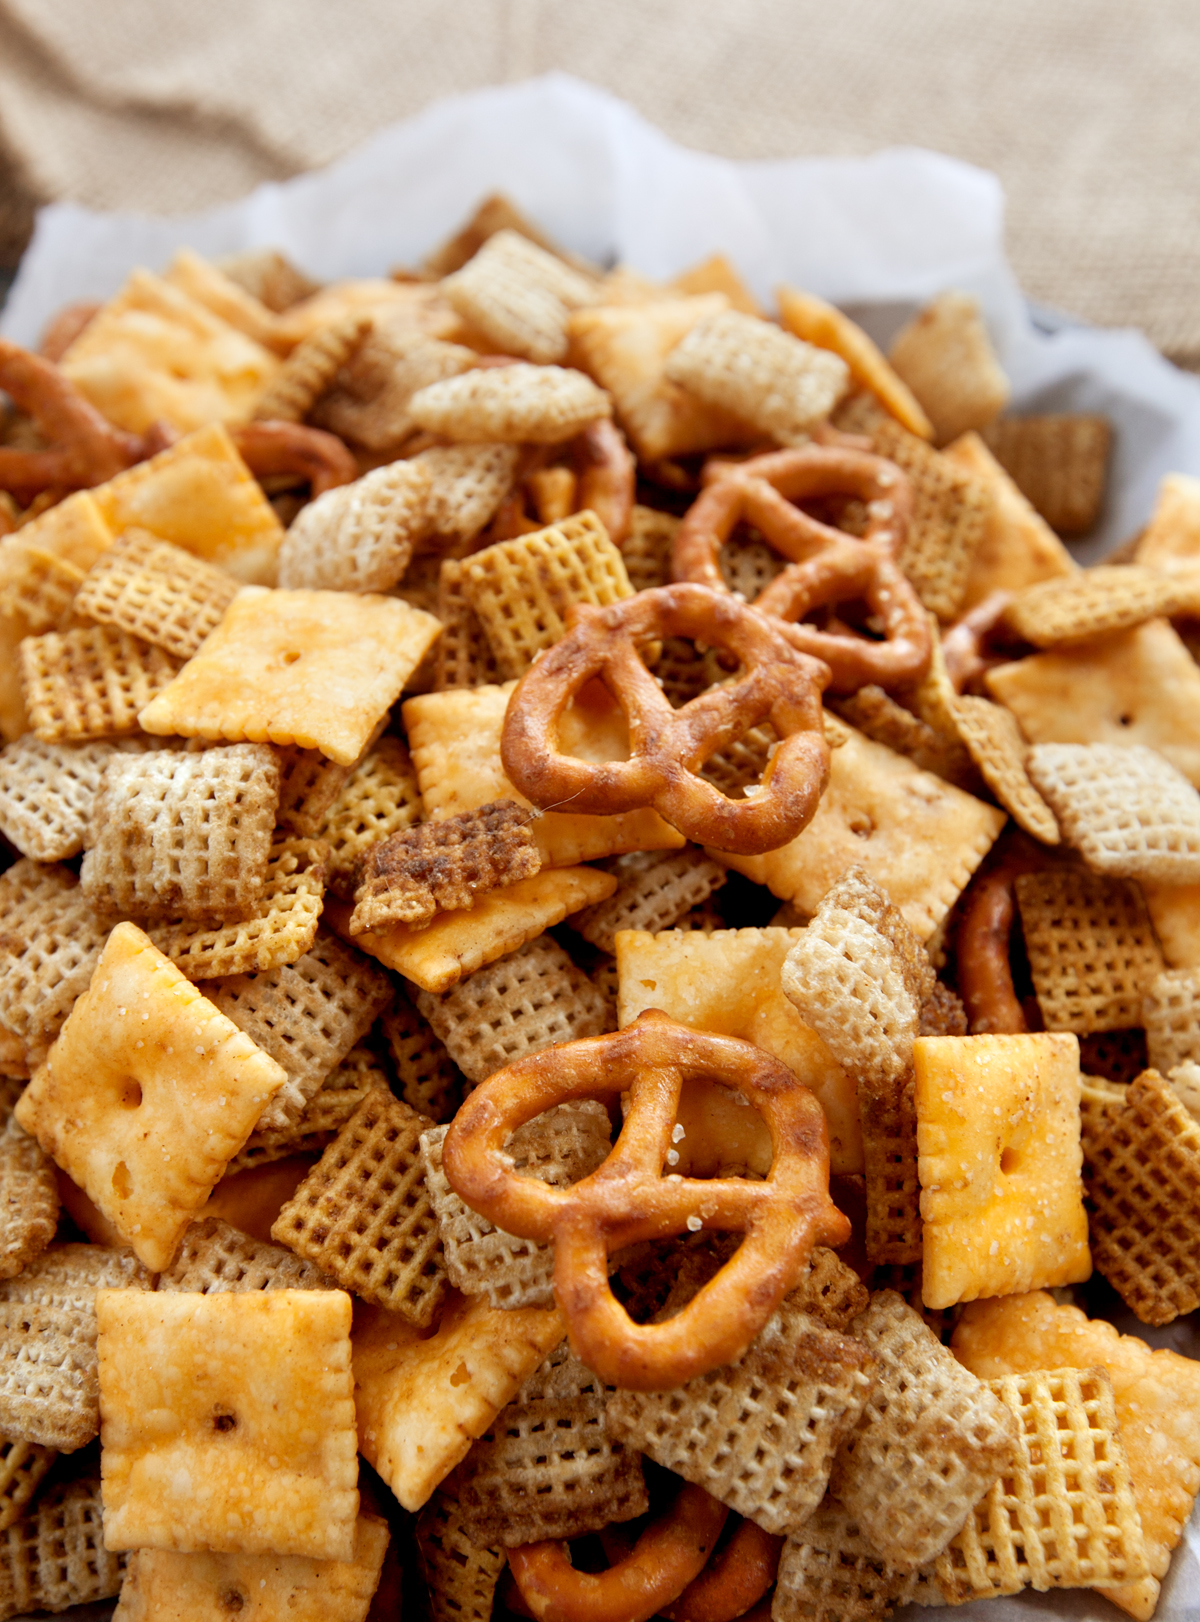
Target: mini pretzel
x: 607, y: 476
x: 985, y: 977
x: 964, y: 644
x: 668, y: 746
x: 289, y: 447
x: 668, y: 1556
x: 734, y: 1579
x: 85, y: 448
x: 627, y: 1199
x: 828, y: 565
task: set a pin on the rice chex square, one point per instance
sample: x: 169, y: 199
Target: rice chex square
x: 1129, y: 812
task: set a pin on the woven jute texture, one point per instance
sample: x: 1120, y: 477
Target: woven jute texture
x: 1070, y: 104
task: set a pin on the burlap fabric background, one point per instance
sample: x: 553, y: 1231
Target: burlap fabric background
x: 1085, y: 108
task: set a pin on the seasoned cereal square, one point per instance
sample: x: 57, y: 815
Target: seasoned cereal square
x: 156, y: 591
x: 460, y: 1573
x: 55, y: 1556
x: 90, y: 682
x: 228, y: 1422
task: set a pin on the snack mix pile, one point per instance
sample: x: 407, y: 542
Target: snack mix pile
x: 597, y: 913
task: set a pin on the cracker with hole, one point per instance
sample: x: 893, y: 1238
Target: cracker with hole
x: 314, y: 668
x: 729, y: 982
x: 1134, y: 687
x: 147, y: 1094
x: 228, y: 1421
x: 437, y: 955
x: 455, y: 741
x: 1000, y: 1165
x: 156, y: 591
x: 919, y: 837
x: 1128, y: 811
x: 423, y: 1401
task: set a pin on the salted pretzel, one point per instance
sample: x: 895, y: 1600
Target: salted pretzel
x: 668, y: 1556
x: 965, y: 643
x: 627, y: 1199
x: 985, y: 977
x: 736, y: 1577
x: 607, y: 476
x: 827, y: 566
x: 270, y: 448
x: 668, y: 746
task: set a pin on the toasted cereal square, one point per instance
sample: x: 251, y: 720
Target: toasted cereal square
x: 282, y: 930
x: 1133, y: 687
x: 1000, y: 1160
x: 931, y: 1441
x: 829, y: 1572
x: 1171, y: 1015
x: 68, y: 1276
x: 519, y: 295
x: 1092, y: 952
x: 309, y: 785
x: 380, y: 797
x: 653, y: 892
x: 363, y: 1212
x: 455, y: 741
x: 228, y: 1421
x: 422, y: 1400
x: 946, y: 358
x: 28, y: 1203
x: 147, y: 1094
x: 546, y: 1467
x: 759, y: 1434
x: 444, y: 866
x: 90, y: 682
x: 183, y: 835
x: 468, y: 484
x: 1091, y: 603
x: 426, y: 1077
x: 314, y: 668
x: 307, y: 1015
x: 530, y: 1000
x: 52, y: 941
x: 205, y: 1587
x: 817, y: 322
x: 625, y: 348
x: 46, y: 794
x: 367, y: 402
x: 519, y: 404
x: 360, y: 536
x: 749, y: 367
x: 1060, y: 463
x: 1065, y: 1515
x: 1128, y: 811
x: 460, y: 1574
x: 918, y: 837
x: 156, y: 591
x: 494, y: 214
x: 1156, y: 1396
x: 729, y: 982
x: 215, y: 1257
x: 464, y: 654
x: 521, y: 589
x: 647, y: 547
x: 55, y: 1556
x: 436, y: 956
x: 201, y: 496
x: 559, y: 1147
x: 48, y: 1392
x: 310, y: 369
x: 1018, y: 547
x: 1142, y: 1174
x: 23, y: 1468
x: 330, y: 1107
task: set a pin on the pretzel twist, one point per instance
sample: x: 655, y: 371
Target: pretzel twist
x: 827, y: 566
x: 269, y: 448
x: 607, y: 476
x: 984, y: 944
x: 628, y: 1200
x: 734, y: 1579
x: 669, y: 1555
x: 668, y: 746
x: 84, y: 448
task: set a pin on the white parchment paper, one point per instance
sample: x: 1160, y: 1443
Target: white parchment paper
x: 877, y: 235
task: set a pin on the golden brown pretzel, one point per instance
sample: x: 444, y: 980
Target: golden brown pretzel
x: 269, y: 448
x: 628, y: 1199
x: 607, y: 476
x: 828, y: 566
x: 985, y: 978
x: 85, y: 448
x: 670, y: 1553
x: 964, y: 644
x: 734, y: 1579
x: 669, y: 746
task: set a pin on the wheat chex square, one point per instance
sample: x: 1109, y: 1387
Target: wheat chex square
x: 46, y: 795
x: 52, y: 941
x: 157, y: 592
x: 427, y: 1077
x: 1059, y: 462
x: 216, y: 1257
x: 461, y: 1574
x: 364, y: 1214
x: 1171, y: 1015
x: 48, y: 1391
x: 55, y: 1557
x: 326, y: 1112
x: 654, y: 890
x: 91, y: 682
x: 945, y: 356
x: 29, y: 1202
x: 830, y: 1572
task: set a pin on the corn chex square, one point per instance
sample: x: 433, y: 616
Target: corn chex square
x: 461, y: 1574
x: 167, y: 1586
x: 1091, y: 949
x: 55, y: 1557
x: 559, y: 1147
x: 998, y: 1129
x: 228, y: 1421
x: 759, y: 1434
x: 380, y: 797
x: 1093, y: 602
x: 546, y: 1467
x: 363, y: 1213
x: 183, y: 835
x: 147, y: 1094
x: 426, y: 1075
x: 90, y: 682
x: 931, y: 1441
x: 46, y: 795
x: 216, y: 1258
x: 23, y: 1468
x: 1129, y: 812
x: 1142, y: 1174
x: 310, y: 368
x: 521, y: 589
x: 464, y: 656
x: 307, y: 1015
x: 367, y: 402
x: 1065, y: 1515
x: 314, y: 668
x: 157, y: 592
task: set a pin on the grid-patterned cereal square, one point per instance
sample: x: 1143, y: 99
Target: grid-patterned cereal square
x: 363, y: 1213
x: 994, y: 741
x: 1060, y: 463
x: 1128, y: 812
x: 310, y: 369
x: 23, y: 1468
x: 55, y: 1556
x: 46, y: 795
x: 52, y: 940
x: 1000, y: 1159
x: 1091, y: 949
x: 90, y: 682
x: 147, y: 1094
x: 156, y: 591
x: 426, y: 1076
x: 1171, y: 1015
x: 314, y: 668
x: 1018, y: 548
x: 541, y: 405
x: 216, y: 1257
x: 360, y: 536
x: 519, y: 295
x: 829, y: 1572
x: 1091, y: 603
x: 945, y: 356
x: 330, y: 1107
x: 48, y: 1392
x: 309, y: 784
x: 228, y: 1421
x: 654, y: 890
x: 380, y: 797
x: 461, y: 1575
x: 28, y: 1202
x: 183, y: 835
x: 464, y: 654
x: 469, y: 483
